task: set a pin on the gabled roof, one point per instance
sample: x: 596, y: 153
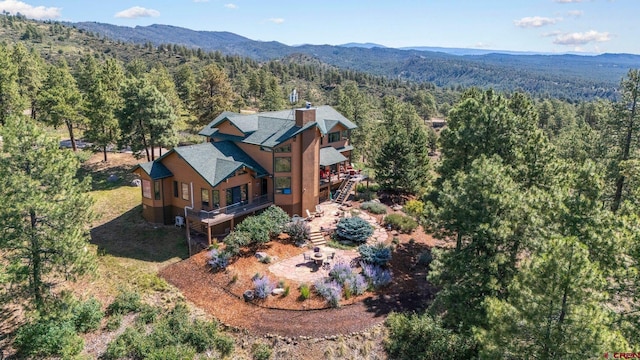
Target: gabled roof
x: 272, y: 128
x: 329, y: 156
x: 217, y: 161
x: 155, y: 170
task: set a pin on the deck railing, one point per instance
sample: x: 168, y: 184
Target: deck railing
x: 231, y: 209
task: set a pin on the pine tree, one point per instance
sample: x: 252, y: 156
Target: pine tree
x: 46, y: 211
x: 10, y: 100
x: 214, y: 94
x: 556, y: 309
x: 60, y: 101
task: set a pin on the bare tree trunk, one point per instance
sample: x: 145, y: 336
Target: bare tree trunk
x: 36, y: 278
x: 71, y: 136
x: 104, y: 151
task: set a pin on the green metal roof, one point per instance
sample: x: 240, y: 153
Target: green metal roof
x: 329, y: 156
x: 155, y: 170
x: 217, y: 161
x: 272, y: 128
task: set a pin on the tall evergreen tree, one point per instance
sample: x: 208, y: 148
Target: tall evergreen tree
x: 31, y: 72
x: 46, y: 211
x: 60, y: 101
x: 556, y: 309
x: 146, y: 118
x: 10, y: 100
x: 214, y: 94
x: 402, y: 164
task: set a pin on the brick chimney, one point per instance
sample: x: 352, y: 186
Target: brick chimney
x: 305, y: 115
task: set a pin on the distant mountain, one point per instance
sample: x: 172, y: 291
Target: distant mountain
x: 568, y: 76
x: 363, y: 45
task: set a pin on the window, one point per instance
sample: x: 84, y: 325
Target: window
x: 345, y: 134
x: 283, y: 164
x: 156, y: 189
x: 185, y: 191
x: 283, y: 149
x: 283, y: 185
x: 216, y: 198
x: 204, y: 196
x: 146, y: 188
x: 176, y: 192
x: 334, y: 136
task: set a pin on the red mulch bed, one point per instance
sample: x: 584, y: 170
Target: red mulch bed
x: 218, y: 293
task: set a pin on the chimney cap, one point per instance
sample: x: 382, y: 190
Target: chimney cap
x: 308, y: 105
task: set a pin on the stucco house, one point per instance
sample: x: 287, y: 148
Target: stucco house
x: 290, y: 158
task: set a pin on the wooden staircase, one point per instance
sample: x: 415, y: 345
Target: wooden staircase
x: 342, y: 194
x: 316, y: 238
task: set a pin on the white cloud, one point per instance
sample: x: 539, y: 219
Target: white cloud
x: 578, y: 38
x: 575, y: 13
x: 231, y: 6
x: 535, y: 21
x: 568, y: 1
x: 137, y: 12
x: 276, y: 20
x: 34, y: 12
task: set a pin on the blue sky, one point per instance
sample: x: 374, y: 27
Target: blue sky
x: 556, y: 26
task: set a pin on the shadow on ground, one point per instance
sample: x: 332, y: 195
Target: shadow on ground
x: 130, y: 236
x: 410, y: 290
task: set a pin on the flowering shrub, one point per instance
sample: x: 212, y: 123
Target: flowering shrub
x: 354, y: 229
x: 263, y: 287
x: 218, y: 259
x: 378, y: 254
x: 340, y: 272
x: 357, y: 284
x: 414, y: 208
x: 377, y: 276
x: 331, y: 291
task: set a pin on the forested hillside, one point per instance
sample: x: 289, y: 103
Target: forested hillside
x: 562, y: 76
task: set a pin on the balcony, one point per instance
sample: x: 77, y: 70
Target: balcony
x: 220, y: 215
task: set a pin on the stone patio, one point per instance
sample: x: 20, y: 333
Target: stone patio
x: 297, y: 269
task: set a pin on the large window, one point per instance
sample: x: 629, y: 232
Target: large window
x: 204, y: 196
x: 237, y: 194
x: 283, y: 164
x: 283, y: 149
x: 283, y: 185
x: 345, y: 134
x: 334, y: 136
x: 215, y: 198
x: 156, y: 189
x: 185, y: 191
x: 146, y: 188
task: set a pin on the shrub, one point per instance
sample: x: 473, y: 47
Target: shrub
x: 257, y: 227
x: 278, y: 219
x: 202, y: 335
x: 235, y: 240
x: 377, y: 276
x: 421, y: 337
x: 287, y: 289
x: 378, y: 254
x: 87, y: 315
x: 305, y: 292
x: 261, y: 351
x: 299, y: 231
x: 403, y: 223
x: 331, y: 291
x: 125, y: 302
x: 374, y: 207
x: 219, y: 259
x: 224, y: 344
x: 131, y: 343
x: 354, y: 229
x: 113, y: 322
x: 263, y: 287
x: 425, y: 258
x: 171, y: 352
x: 359, y: 285
x: 48, y: 337
x: 414, y: 208
x: 148, y: 314
x: 340, y: 272
x: 364, y: 187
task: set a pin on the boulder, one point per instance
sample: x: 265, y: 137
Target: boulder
x: 113, y: 178
x: 277, y: 291
x: 136, y: 182
x: 261, y: 255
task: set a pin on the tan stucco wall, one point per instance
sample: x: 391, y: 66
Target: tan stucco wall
x: 227, y: 128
